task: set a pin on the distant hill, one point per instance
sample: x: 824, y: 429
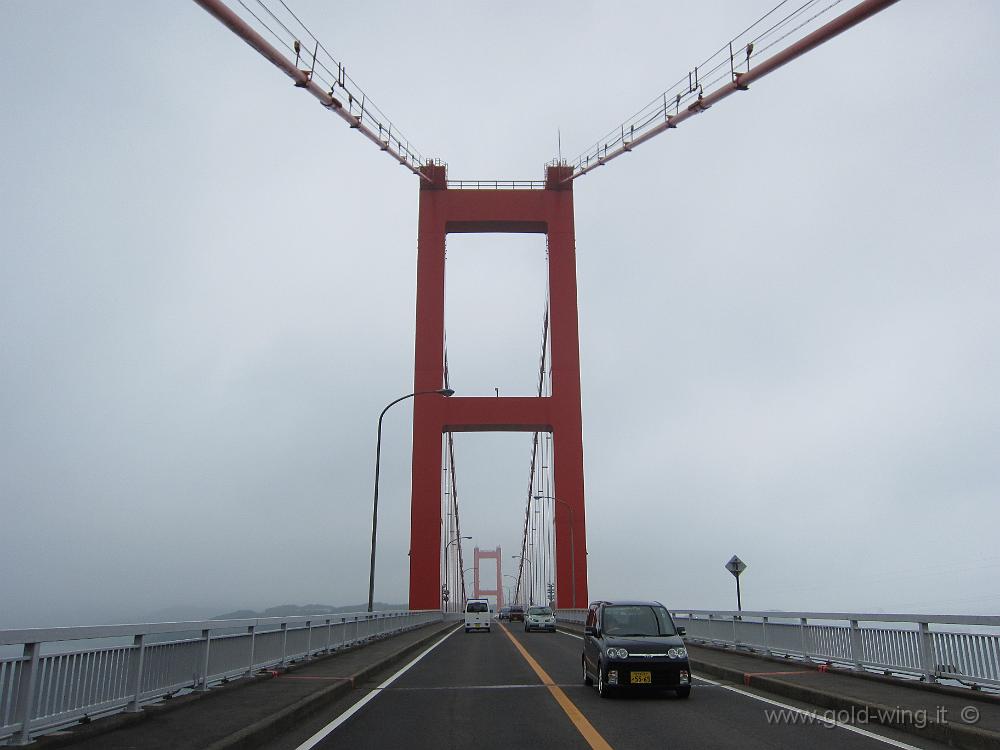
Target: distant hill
x: 178, y: 613
x: 298, y: 610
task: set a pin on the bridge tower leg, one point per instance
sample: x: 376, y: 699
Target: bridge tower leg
x: 546, y: 211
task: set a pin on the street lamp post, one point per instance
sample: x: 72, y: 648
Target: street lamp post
x: 456, y: 539
x: 510, y: 589
x: 446, y: 392
x: 572, y: 542
x: 466, y: 570
x: 531, y: 593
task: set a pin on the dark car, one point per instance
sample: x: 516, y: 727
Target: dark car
x: 516, y: 613
x: 634, y: 644
x: 504, y: 613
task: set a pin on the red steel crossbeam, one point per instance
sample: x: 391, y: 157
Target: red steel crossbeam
x: 742, y: 81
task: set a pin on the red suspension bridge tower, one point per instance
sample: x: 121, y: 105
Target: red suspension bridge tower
x: 477, y: 590
x: 546, y: 210
x: 777, y: 38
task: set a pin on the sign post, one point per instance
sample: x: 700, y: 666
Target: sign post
x: 737, y: 566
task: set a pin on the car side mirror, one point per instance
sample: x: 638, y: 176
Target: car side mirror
x: 591, y: 630
x: 682, y: 631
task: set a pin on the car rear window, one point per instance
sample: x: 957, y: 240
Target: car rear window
x: 477, y: 607
x: 641, y: 620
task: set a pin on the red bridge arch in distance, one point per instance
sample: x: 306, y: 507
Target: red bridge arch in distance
x: 478, y: 592
x: 548, y: 211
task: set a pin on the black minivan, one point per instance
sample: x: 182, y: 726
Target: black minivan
x: 634, y: 644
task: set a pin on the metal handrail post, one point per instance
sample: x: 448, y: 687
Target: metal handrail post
x: 207, y: 637
x: 26, y: 692
x: 135, y: 666
x: 926, y: 646
x: 252, y: 632
x: 857, y: 645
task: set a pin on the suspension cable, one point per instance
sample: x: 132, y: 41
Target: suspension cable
x: 533, y: 472
x: 738, y: 63
x: 450, y: 458
x: 308, y: 69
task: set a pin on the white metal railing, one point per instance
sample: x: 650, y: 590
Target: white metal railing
x: 60, y: 679
x: 496, y: 184
x: 933, y: 647
x: 572, y: 616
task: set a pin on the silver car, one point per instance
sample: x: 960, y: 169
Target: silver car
x: 539, y: 618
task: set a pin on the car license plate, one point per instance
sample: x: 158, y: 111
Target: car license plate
x: 642, y: 678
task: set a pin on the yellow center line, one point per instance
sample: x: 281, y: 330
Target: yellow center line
x: 583, y: 726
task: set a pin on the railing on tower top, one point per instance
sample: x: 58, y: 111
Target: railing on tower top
x: 496, y: 184
x: 55, y: 682
x: 962, y: 648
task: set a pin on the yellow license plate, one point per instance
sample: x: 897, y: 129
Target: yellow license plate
x: 642, y: 678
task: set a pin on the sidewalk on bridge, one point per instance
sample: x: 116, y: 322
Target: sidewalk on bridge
x: 247, y: 712
x: 955, y: 716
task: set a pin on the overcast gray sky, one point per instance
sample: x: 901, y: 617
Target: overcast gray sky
x: 788, y: 306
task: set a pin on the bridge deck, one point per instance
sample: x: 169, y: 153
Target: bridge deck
x: 480, y: 689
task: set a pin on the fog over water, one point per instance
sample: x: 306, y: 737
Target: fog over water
x: 788, y: 307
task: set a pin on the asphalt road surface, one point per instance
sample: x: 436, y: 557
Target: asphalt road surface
x: 479, y: 690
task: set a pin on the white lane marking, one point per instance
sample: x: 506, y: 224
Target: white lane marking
x: 816, y: 716
x: 823, y: 719
x: 325, y: 731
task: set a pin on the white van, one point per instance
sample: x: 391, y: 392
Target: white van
x: 477, y: 615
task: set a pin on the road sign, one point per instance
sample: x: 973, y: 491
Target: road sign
x: 736, y: 566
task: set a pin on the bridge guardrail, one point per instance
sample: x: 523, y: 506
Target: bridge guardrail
x: 572, y: 616
x: 931, y: 647
x: 52, y: 685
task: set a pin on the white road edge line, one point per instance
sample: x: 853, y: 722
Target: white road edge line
x: 816, y: 716
x: 325, y: 731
